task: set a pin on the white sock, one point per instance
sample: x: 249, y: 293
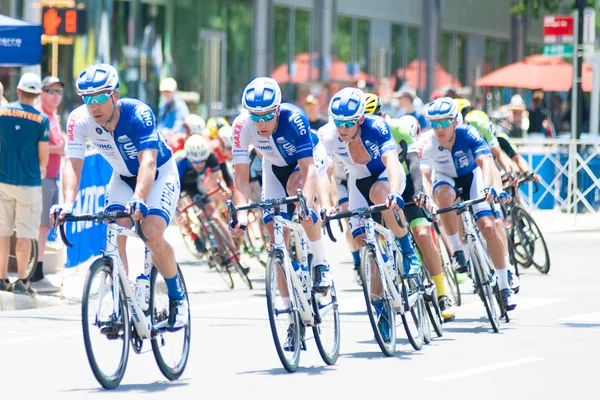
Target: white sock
x: 455, y: 242
x: 509, y: 266
x: 318, y: 251
x: 503, y: 278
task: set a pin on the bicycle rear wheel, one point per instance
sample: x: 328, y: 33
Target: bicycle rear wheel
x: 106, y: 334
x: 228, y: 253
x: 380, y: 308
x: 327, y: 328
x: 484, y: 286
x: 535, y: 244
x: 449, y: 274
x: 171, y: 349
x: 283, y: 316
x: 431, y: 304
x: 414, y: 319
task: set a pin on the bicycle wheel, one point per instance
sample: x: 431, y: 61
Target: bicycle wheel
x: 380, y: 307
x: 171, y: 349
x: 106, y: 333
x: 327, y: 328
x: 283, y: 315
x: 228, y: 253
x: 449, y: 274
x: 484, y: 286
x: 414, y: 319
x: 535, y: 243
x: 431, y: 304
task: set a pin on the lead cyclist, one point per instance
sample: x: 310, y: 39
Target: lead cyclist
x: 144, y: 183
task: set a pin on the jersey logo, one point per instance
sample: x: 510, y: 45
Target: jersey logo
x: 147, y: 117
x: 300, y: 124
x: 281, y: 140
x: 71, y: 128
x: 123, y: 139
x: 99, y: 131
x: 461, y: 159
x: 237, y: 130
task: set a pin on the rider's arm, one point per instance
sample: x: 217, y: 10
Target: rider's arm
x: 414, y: 168
x: 71, y: 176
x: 394, y: 169
x: 74, y: 156
x: 241, y: 161
x: 502, y: 158
x: 487, y: 168
x: 309, y: 178
x: 146, y: 174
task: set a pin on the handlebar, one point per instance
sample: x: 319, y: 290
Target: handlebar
x: 199, y: 199
x: 359, y: 212
x: 462, y: 205
x: 103, y: 216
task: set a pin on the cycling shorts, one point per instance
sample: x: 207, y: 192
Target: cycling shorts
x: 342, y: 190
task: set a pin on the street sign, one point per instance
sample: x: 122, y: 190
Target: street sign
x: 61, y: 21
x: 558, y: 29
x: 589, y: 31
x: 558, y: 50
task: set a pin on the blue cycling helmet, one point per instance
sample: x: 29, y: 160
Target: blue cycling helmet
x: 347, y: 104
x: 97, y: 78
x: 441, y: 108
x: 261, y: 94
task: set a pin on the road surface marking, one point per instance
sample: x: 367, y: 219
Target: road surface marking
x: 228, y: 303
x: 483, y: 369
x: 39, y: 337
x: 589, y: 318
x: 523, y: 303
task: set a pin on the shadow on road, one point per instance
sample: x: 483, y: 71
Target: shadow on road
x: 155, y: 387
x: 281, y: 371
x: 580, y: 325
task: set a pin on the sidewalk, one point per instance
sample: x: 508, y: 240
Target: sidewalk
x: 554, y: 221
x: 198, y: 277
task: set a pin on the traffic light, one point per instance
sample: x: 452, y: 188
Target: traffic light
x: 62, y: 21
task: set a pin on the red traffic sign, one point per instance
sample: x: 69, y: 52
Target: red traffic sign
x: 558, y: 29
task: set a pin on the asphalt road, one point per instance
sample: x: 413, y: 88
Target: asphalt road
x: 549, y: 350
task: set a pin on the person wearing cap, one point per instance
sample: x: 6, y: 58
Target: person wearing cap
x: 311, y: 108
x: 517, y: 117
x: 3, y: 100
x: 24, y: 135
x: 51, y: 97
x: 407, y: 98
x: 172, y: 111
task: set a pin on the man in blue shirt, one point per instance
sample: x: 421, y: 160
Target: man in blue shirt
x: 406, y: 99
x: 172, y: 111
x: 24, y: 150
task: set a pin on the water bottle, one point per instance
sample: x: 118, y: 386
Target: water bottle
x: 142, y: 291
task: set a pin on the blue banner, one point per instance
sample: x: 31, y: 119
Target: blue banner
x: 20, y: 42
x: 89, y: 238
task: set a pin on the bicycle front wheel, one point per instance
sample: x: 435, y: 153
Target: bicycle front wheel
x: 106, y: 327
x: 449, y: 273
x: 534, y: 240
x: 171, y: 349
x: 283, y: 317
x: 229, y: 254
x: 327, y: 328
x: 431, y: 304
x: 414, y: 319
x: 380, y: 308
x: 485, y: 288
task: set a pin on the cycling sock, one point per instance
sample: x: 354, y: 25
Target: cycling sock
x: 38, y: 275
x: 174, y: 288
x: 455, y: 242
x: 405, y: 245
x: 502, y: 278
x: 318, y: 250
x: 356, y: 257
x: 439, y: 284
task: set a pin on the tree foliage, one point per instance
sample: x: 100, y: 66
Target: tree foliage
x: 534, y: 7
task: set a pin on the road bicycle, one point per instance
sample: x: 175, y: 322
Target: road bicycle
x: 385, y: 291
x: 292, y: 303
x: 113, y: 320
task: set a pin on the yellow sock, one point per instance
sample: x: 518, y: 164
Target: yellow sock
x: 440, y: 284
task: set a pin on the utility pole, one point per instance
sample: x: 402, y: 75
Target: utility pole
x: 579, y: 116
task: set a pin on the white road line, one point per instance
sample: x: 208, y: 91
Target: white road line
x: 483, y: 369
x: 228, y: 303
x: 39, y: 337
x: 589, y: 318
x: 523, y: 303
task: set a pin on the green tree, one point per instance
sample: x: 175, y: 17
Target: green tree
x: 534, y: 7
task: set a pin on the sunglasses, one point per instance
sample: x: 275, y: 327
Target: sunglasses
x: 193, y: 161
x: 98, y: 99
x: 441, y: 124
x: 263, y: 118
x: 52, y: 92
x: 345, y: 124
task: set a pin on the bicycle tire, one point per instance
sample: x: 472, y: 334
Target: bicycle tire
x: 517, y: 237
x: 330, y: 355
x: 275, y: 264
x: 417, y: 314
x: 113, y: 380
x: 485, y: 292
x: 228, y: 252
x: 368, y: 254
x: 449, y: 273
x: 31, y: 263
x: 523, y: 215
x: 170, y: 372
x: 431, y: 304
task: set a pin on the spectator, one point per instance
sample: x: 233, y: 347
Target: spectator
x: 451, y: 92
x: 517, y: 118
x: 172, y: 111
x: 406, y: 99
x: 23, y: 160
x: 3, y: 100
x: 386, y: 95
x: 311, y: 107
x: 556, y: 112
x: 51, y: 96
x: 539, y: 118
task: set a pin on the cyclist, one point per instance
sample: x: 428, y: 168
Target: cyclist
x: 222, y: 147
x: 144, y: 181
x: 193, y: 124
x: 405, y: 130
x: 213, y: 125
x: 458, y: 157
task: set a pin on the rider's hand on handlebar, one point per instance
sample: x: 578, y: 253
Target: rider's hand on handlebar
x: 137, y: 209
x: 60, y: 211
x: 421, y: 199
x: 504, y: 197
x: 242, y: 222
x: 394, y: 200
x: 490, y: 194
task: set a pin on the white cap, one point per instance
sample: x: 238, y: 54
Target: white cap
x: 30, y: 83
x: 168, y: 85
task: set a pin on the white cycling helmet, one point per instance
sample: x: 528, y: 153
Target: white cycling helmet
x: 97, y: 78
x: 261, y: 94
x: 197, y: 149
x: 441, y: 108
x: 347, y: 104
x: 226, y: 136
x: 195, y: 124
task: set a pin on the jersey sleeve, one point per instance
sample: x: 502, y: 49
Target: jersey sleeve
x: 145, y: 123
x: 423, y: 145
x: 326, y: 136
x: 507, y: 146
x: 75, y: 146
x: 476, y: 142
x: 303, y: 141
x: 386, y: 141
x: 44, y: 130
x: 241, y: 140
x: 212, y: 163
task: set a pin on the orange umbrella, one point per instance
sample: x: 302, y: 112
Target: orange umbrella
x: 338, y: 71
x: 537, y: 72
x: 418, y: 69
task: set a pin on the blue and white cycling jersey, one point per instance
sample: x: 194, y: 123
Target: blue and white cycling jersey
x: 291, y: 141
x: 455, y: 163
x: 135, y: 131
x: 375, y: 137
